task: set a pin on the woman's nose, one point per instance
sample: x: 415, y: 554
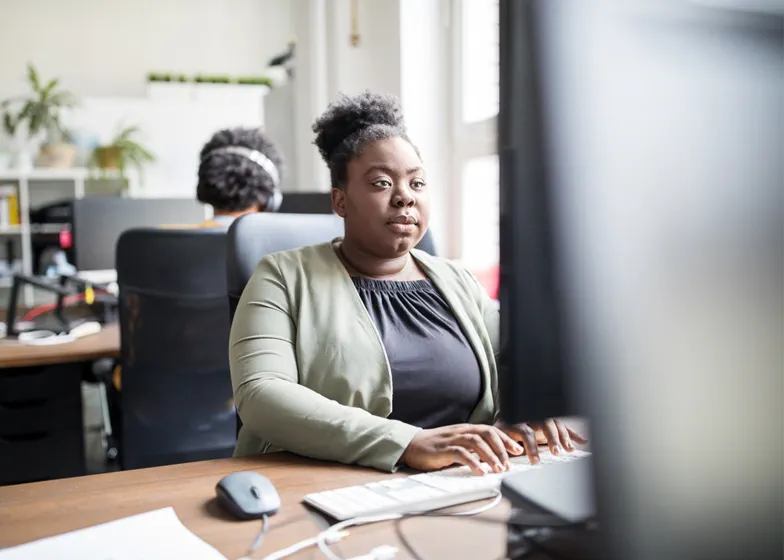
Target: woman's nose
x: 403, y: 198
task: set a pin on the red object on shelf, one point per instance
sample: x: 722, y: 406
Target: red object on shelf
x: 489, y: 279
x: 65, y: 239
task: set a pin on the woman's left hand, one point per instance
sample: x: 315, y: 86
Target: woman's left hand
x: 553, y: 432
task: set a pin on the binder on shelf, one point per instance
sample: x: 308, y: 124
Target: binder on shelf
x: 9, y: 206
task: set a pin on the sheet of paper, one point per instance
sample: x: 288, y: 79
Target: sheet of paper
x: 155, y: 535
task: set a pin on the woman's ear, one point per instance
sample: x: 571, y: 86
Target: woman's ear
x: 339, y: 202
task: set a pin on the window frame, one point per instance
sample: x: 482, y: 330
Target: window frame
x: 468, y: 140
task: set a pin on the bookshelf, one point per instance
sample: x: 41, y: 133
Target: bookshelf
x: 17, y: 233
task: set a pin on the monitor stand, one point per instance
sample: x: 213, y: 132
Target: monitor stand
x: 559, y: 494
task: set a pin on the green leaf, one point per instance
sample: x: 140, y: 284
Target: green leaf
x: 8, y: 124
x: 50, y: 86
x: 32, y: 75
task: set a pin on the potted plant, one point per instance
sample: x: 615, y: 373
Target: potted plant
x: 123, y: 152
x: 40, y: 112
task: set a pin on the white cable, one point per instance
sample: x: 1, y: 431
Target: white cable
x: 383, y: 552
x: 321, y: 538
x: 337, y: 532
x: 322, y: 541
x: 302, y: 545
x: 481, y: 509
x: 43, y: 338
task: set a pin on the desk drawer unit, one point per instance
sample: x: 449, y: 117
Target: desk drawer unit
x: 40, y: 423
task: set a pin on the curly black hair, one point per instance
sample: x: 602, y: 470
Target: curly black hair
x: 351, y: 122
x: 231, y: 182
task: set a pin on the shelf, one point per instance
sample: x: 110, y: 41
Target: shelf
x: 48, y: 228
x: 11, y: 230
x: 34, y: 229
x: 43, y: 174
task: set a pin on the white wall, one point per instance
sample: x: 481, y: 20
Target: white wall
x: 106, y: 47
x: 375, y: 62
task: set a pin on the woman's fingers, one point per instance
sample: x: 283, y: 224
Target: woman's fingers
x: 464, y: 457
x: 563, y: 434
x: 476, y: 443
x: 550, y: 431
x: 509, y: 444
x: 576, y: 436
x: 527, y: 436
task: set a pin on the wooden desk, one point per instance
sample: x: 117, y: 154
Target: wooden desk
x: 32, y: 511
x: 105, y: 344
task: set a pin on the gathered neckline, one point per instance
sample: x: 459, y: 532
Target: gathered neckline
x: 392, y: 285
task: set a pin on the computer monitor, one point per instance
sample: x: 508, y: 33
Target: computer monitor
x: 642, y: 259
x: 306, y: 203
x: 98, y: 222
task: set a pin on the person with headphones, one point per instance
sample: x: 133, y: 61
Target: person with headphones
x: 240, y: 172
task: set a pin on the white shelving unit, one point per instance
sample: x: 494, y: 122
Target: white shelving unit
x: 25, y: 181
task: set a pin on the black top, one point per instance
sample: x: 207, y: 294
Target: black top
x: 436, y: 380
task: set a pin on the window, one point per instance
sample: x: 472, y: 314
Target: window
x: 480, y: 213
x: 476, y: 74
x: 479, y: 44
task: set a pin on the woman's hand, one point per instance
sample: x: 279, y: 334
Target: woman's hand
x: 441, y: 447
x: 553, y: 432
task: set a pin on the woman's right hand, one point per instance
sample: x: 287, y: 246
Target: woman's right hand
x: 466, y: 444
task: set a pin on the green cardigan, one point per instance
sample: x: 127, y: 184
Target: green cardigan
x: 309, y: 370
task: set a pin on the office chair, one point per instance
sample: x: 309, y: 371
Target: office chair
x: 254, y: 236
x: 176, y: 401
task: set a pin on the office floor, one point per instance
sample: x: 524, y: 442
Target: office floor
x: 95, y: 456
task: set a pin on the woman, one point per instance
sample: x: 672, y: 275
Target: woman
x: 239, y: 173
x: 323, y: 334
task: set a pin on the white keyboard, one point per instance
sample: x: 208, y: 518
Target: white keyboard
x: 424, y: 492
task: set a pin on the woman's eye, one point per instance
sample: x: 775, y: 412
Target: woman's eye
x: 383, y: 183
x: 418, y: 184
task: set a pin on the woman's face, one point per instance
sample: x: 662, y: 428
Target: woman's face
x: 386, y: 203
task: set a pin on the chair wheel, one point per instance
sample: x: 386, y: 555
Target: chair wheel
x: 112, y: 449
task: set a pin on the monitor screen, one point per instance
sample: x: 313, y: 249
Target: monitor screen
x: 98, y: 222
x: 642, y: 258
x: 306, y: 203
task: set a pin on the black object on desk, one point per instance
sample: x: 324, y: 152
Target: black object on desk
x: 65, y: 286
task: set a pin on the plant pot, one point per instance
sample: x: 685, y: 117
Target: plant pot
x: 57, y: 156
x: 102, y: 186
x: 108, y: 157
x: 23, y: 160
x: 6, y: 158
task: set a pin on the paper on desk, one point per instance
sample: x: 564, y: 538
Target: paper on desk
x: 155, y: 535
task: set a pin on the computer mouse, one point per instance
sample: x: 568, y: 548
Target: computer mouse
x: 247, y: 495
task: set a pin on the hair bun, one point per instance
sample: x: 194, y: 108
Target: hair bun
x: 348, y: 115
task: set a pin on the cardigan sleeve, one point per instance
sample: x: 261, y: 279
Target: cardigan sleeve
x: 491, y: 316
x: 276, y: 408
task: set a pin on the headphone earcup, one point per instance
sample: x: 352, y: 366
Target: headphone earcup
x: 274, y: 201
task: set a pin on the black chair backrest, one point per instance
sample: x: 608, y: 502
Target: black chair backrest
x: 176, y: 392
x: 254, y: 236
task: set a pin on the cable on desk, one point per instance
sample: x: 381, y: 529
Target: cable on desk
x: 323, y: 546
x: 260, y: 537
